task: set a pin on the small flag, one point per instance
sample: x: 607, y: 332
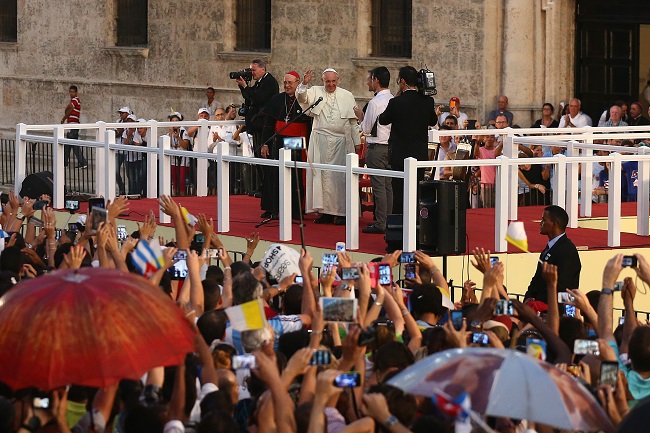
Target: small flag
x: 190, y: 219
x: 516, y: 235
x: 456, y: 408
x: 446, y: 298
x: 247, y: 316
x: 147, y: 257
x: 4, y: 234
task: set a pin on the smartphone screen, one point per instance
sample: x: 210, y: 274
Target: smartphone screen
x: 95, y: 202
x: 299, y: 279
x: 457, y: 319
x: 178, y: 271
x: 493, y: 260
x: 480, y: 338
x: 564, y: 298
x: 121, y: 233
x: 243, y: 361
x: 629, y: 261
x: 407, y: 257
x: 586, y: 347
x: 348, y: 380
x: 321, y: 357
x: 349, y: 274
x: 180, y: 255
x: 99, y: 215
x: 570, y: 310
x: 385, y: 275
x: 330, y: 259
x: 338, y: 309
x: 609, y: 373
x: 409, y: 271
x: 199, y: 238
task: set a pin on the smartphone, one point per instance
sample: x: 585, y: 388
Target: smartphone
x: 299, y: 279
x: 72, y: 205
x: 409, y: 271
x: 629, y: 261
x: 178, y: 271
x: 385, y: 274
x: 471, y: 123
x: 407, y: 257
x: 180, y: 255
x: 41, y: 402
x: 618, y: 286
x: 199, y: 238
x: 57, y: 234
x: 294, y: 143
x: 621, y: 320
x: 570, y: 310
x: 243, y: 361
x: 330, y: 259
x: 213, y: 253
x: 99, y: 215
x: 586, y: 347
x: 536, y: 348
x: 95, y: 202
x: 367, y: 336
x: 348, y: 380
x: 340, y: 246
x: 349, y: 274
x: 35, y: 221
x: 121, y: 233
x: 73, y: 227
x: 504, y: 308
x: 493, y: 260
x: 457, y: 319
x: 564, y: 297
x: 321, y: 357
x: 338, y: 309
x: 609, y: 373
x: 480, y: 338
x: 40, y: 204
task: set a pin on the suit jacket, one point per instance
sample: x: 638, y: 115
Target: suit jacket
x: 565, y: 256
x: 256, y: 96
x: 409, y: 114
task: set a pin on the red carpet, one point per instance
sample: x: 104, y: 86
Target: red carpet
x: 245, y: 213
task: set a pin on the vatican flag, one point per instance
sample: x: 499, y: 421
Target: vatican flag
x: 516, y: 235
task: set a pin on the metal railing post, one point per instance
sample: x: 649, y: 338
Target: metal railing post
x: 501, y: 198
x: 109, y: 174
x: 559, y: 187
x: 586, y: 175
x: 284, y: 173
x: 572, y: 185
x: 352, y: 204
x: 100, y: 159
x: 409, y: 242
x: 643, y: 194
x: 20, y: 167
x: 512, y: 175
x: 614, y: 203
x: 164, y: 173
x: 223, y: 187
x: 152, y: 162
x: 58, y: 168
x: 202, y: 163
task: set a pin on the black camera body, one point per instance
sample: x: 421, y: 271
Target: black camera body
x: 427, y: 82
x: 246, y: 74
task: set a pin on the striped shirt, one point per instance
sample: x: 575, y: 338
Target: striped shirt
x: 73, y: 117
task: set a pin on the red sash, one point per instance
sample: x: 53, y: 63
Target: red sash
x: 296, y: 129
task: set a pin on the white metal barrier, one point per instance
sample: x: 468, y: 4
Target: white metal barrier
x: 579, y: 151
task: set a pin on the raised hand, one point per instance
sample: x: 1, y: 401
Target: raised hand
x: 75, y: 257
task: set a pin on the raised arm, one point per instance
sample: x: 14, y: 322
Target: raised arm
x: 171, y: 208
x: 549, y: 273
x: 606, y: 303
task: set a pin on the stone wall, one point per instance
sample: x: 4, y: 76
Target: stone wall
x: 477, y: 48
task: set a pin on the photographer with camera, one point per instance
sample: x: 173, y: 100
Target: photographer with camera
x: 410, y: 114
x: 255, y: 98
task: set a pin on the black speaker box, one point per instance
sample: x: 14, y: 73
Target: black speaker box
x: 37, y: 184
x: 442, y: 210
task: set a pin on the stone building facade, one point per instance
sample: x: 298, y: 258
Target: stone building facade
x: 478, y: 49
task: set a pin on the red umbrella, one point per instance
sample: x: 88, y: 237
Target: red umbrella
x: 90, y: 326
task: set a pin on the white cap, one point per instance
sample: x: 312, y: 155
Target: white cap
x: 141, y: 120
x: 176, y: 114
x: 124, y: 110
x: 81, y: 219
x: 203, y: 110
x: 330, y: 70
x: 132, y: 117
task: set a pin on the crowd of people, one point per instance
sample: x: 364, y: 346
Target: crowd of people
x: 387, y: 130
x: 297, y: 379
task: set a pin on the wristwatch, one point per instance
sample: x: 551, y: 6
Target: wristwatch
x: 390, y: 421
x: 606, y: 291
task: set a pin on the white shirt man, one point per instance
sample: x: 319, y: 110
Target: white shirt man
x: 575, y: 118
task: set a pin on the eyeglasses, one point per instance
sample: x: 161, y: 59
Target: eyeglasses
x: 289, y: 82
x: 501, y: 121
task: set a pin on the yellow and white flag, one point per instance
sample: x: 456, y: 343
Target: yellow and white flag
x: 247, y: 316
x: 190, y: 219
x: 516, y: 235
x: 446, y: 298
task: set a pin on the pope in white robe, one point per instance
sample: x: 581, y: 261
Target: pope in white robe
x: 334, y: 134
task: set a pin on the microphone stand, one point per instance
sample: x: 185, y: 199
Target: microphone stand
x: 295, y: 170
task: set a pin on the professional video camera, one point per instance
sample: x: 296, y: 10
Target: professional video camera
x: 426, y: 82
x: 246, y: 74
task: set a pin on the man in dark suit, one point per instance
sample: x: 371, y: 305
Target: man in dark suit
x: 256, y: 97
x: 410, y: 114
x: 560, y: 252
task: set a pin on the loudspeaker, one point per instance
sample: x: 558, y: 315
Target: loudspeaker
x: 442, y: 217
x: 37, y: 184
x: 394, y: 234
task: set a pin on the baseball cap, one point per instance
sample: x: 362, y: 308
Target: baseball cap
x: 455, y: 98
x: 124, y: 110
x: 132, y: 117
x: 175, y: 114
x: 203, y: 110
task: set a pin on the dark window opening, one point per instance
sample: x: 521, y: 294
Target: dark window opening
x: 9, y: 21
x: 132, y: 23
x: 391, y: 28
x: 253, y: 25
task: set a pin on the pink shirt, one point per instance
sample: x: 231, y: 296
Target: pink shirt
x: 488, y: 174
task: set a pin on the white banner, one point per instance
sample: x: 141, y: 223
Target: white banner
x: 281, y: 261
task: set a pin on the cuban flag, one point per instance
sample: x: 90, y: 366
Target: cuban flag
x: 456, y: 408
x: 147, y: 257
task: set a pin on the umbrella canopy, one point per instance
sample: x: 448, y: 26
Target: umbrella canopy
x: 507, y: 383
x: 90, y: 326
